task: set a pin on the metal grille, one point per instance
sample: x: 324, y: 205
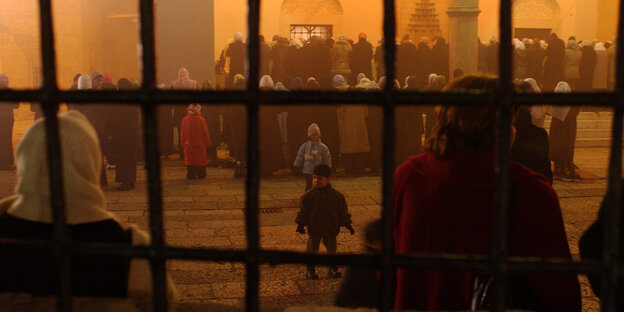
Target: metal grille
x: 157, y: 253
x: 307, y: 31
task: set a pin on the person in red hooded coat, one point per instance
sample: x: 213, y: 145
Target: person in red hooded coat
x: 444, y: 204
x: 195, y: 139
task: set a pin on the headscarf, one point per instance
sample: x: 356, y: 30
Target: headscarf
x: 586, y: 43
x: 431, y: 81
x: 184, y: 82
x: 267, y: 82
x: 600, y: 47
x: 238, y: 36
x: 95, y: 74
x: 297, y: 43
x: 194, y: 109
x: 363, y: 83
x: 533, y: 84
x: 312, y: 84
x: 338, y: 80
x: 573, y: 45
x: 81, y: 160
x: 563, y: 87
x: 237, y: 77
x: 560, y: 112
x: 107, y: 78
x: 360, y: 76
x: 84, y: 82
x: 297, y: 84
x: 372, y: 86
x: 280, y: 87
x: 342, y: 37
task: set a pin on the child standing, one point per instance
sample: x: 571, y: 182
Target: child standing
x: 195, y: 139
x: 323, y: 210
x: 312, y: 153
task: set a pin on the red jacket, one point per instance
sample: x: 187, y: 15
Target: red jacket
x: 195, y: 138
x: 445, y: 206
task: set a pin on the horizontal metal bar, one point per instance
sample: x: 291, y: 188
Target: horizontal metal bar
x: 304, y: 97
x: 275, y: 257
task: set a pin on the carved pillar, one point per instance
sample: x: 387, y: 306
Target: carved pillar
x: 463, y: 27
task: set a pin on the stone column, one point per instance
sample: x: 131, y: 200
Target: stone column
x: 463, y: 27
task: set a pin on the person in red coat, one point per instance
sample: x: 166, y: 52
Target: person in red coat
x: 444, y: 204
x: 195, y: 139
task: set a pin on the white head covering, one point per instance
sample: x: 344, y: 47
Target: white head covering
x: 573, y: 45
x: 267, y: 82
x: 363, y: 83
x: 297, y: 43
x: 430, y: 81
x: 563, y: 87
x: 586, y: 43
x: 561, y: 112
x: 238, y: 36
x: 542, y: 44
x: 84, y: 82
x: 280, y: 87
x: 533, y: 84
x: 372, y: 86
x: 359, y: 77
x: 600, y: 47
x: 82, y: 162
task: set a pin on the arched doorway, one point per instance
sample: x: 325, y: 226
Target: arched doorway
x: 305, y: 18
x: 535, y: 18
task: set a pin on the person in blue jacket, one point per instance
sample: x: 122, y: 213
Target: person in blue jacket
x: 312, y: 153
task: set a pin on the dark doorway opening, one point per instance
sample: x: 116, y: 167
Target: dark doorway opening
x: 532, y: 33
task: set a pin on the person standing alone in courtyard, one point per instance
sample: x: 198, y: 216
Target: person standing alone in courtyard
x: 195, y: 139
x: 323, y: 210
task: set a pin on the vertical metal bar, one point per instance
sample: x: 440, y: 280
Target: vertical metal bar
x: 386, y: 302
x: 49, y: 103
x: 252, y: 181
x: 157, y: 260
x: 503, y: 121
x: 614, y: 213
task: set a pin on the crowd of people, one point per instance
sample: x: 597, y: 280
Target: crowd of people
x: 444, y: 188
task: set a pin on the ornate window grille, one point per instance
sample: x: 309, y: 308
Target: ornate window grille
x: 307, y: 31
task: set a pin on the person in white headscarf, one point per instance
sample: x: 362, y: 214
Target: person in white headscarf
x: 266, y: 83
x: 538, y: 112
x: 563, y: 137
x: 601, y: 71
x: 237, y: 53
x: 571, y: 61
x: 28, y: 215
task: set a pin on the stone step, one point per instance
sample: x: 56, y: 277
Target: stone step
x: 587, y: 123
x: 593, y: 142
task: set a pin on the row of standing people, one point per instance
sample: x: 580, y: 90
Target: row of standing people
x: 584, y: 65
x: 284, y: 59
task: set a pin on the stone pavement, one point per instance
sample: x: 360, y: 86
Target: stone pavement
x: 209, y: 213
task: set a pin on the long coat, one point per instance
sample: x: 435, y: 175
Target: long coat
x: 195, y: 138
x: 553, y: 64
x: 571, y: 61
x: 361, y: 58
x: 586, y: 68
x: 446, y: 206
x: 601, y: 71
x: 6, y: 133
x: 352, y: 129
x: 341, y: 53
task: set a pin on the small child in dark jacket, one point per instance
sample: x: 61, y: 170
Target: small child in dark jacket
x: 312, y: 153
x: 323, y: 210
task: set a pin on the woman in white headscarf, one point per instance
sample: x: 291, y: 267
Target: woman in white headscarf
x: 563, y: 137
x: 601, y: 71
x: 571, y: 61
x: 28, y: 215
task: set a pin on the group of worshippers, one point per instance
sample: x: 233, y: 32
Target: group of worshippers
x: 286, y: 59
x: 585, y: 65
x: 117, y: 127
